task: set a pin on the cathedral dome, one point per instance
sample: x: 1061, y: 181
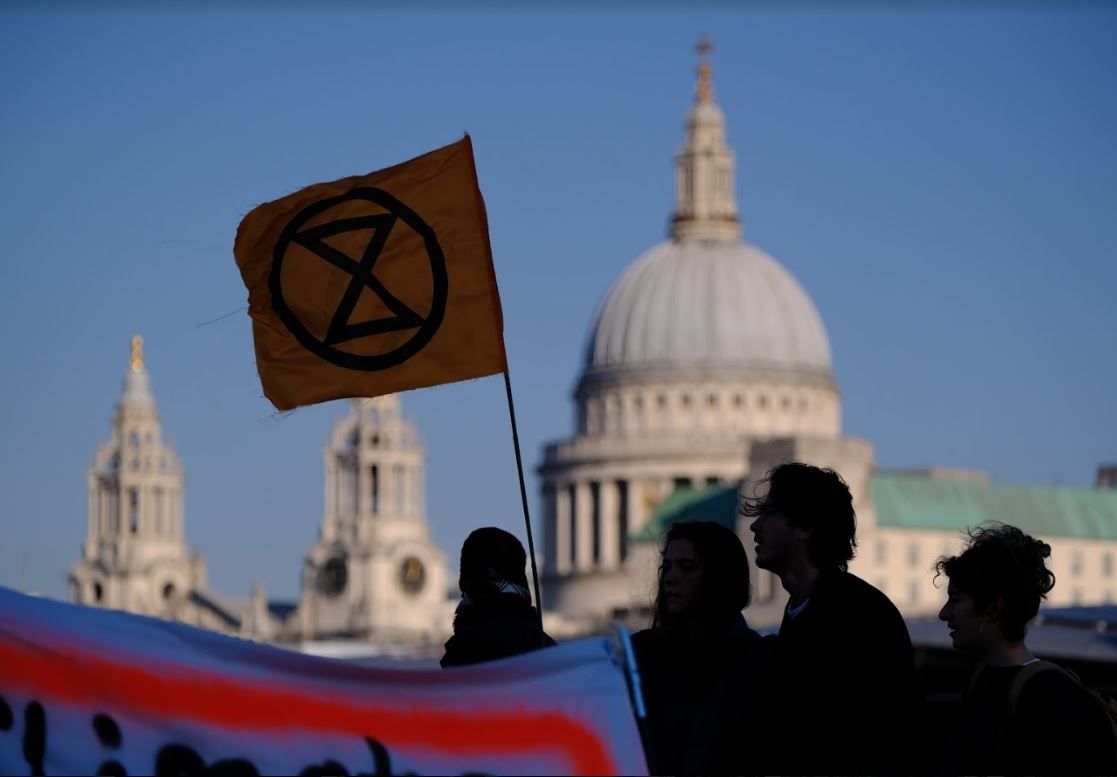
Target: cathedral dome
x: 711, y: 305
x: 705, y: 303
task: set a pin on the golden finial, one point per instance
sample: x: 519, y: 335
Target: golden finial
x: 705, y: 88
x: 137, y: 353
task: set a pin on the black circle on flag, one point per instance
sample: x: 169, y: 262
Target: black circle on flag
x: 362, y: 276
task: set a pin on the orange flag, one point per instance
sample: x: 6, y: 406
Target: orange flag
x: 373, y: 284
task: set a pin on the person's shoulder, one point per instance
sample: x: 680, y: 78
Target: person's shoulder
x: 1052, y: 698
x: 868, y: 593
x: 864, y: 603
x: 1053, y: 689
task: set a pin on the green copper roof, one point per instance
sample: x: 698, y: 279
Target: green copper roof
x: 916, y: 502
x: 712, y: 503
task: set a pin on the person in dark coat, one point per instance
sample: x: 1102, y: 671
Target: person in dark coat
x: 495, y: 618
x: 842, y: 695
x: 1053, y: 725
x: 699, y: 661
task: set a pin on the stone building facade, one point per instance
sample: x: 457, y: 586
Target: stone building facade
x: 707, y: 364
x: 373, y: 575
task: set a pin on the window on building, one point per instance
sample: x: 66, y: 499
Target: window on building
x: 913, y: 592
x: 134, y: 510
x: 684, y: 400
x: 1107, y: 564
x: 682, y: 482
x: 882, y: 551
x: 762, y: 401
x: 374, y: 486
x: 98, y: 592
x: 158, y: 497
x: 913, y: 554
x: 738, y: 400
x: 712, y: 400
x: 1076, y: 563
x: 622, y: 515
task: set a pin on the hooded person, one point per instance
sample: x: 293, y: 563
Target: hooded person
x: 495, y: 618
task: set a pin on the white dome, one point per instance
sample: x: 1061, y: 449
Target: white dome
x: 709, y: 305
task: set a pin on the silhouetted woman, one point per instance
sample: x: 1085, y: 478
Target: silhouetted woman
x: 699, y: 661
x: 1013, y: 721
x: 495, y: 618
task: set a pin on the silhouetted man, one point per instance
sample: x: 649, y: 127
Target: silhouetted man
x: 842, y: 695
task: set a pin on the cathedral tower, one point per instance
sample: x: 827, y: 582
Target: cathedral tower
x: 374, y: 572
x: 135, y: 555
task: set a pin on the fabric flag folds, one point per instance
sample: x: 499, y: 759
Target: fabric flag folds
x: 373, y: 284
x: 90, y: 691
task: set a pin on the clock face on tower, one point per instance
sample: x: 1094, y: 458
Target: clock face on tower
x: 412, y: 575
x: 332, y: 576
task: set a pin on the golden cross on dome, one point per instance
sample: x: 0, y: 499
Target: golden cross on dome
x: 137, y: 354
x: 705, y: 89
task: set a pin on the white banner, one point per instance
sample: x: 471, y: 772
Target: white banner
x: 89, y: 691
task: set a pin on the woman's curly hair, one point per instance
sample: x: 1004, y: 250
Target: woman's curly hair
x: 1002, y: 561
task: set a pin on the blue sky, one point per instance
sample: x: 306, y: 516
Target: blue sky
x: 942, y: 182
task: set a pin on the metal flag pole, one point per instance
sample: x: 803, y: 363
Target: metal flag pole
x: 523, y: 496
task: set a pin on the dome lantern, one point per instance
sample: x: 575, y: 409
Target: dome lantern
x: 705, y: 207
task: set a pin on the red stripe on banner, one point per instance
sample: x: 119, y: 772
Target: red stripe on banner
x: 205, y: 697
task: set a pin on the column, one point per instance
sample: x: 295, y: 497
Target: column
x: 94, y: 515
x: 583, y: 527
x: 610, y: 525
x: 562, y: 529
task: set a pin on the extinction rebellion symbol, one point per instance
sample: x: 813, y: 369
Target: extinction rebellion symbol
x: 362, y: 272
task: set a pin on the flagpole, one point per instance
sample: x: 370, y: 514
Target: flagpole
x: 523, y: 493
